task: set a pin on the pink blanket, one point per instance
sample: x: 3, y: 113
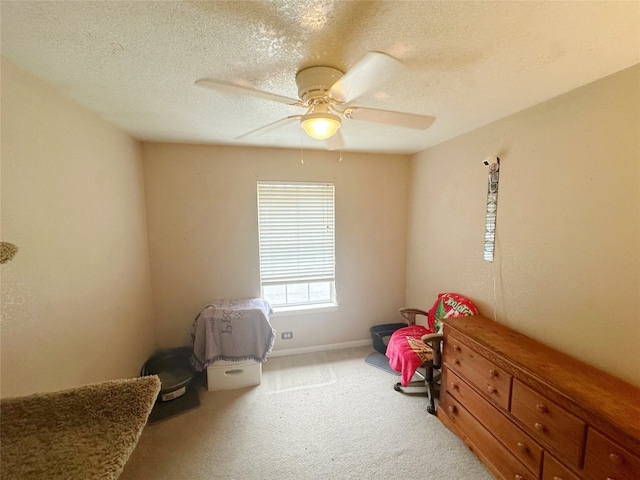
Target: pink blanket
x: 407, y: 352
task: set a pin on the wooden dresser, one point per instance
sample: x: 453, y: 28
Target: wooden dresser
x: 528, y: 411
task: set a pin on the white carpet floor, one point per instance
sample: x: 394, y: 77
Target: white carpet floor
x: 325, y: 415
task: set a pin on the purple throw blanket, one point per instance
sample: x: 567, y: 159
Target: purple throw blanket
x: 232, y: 330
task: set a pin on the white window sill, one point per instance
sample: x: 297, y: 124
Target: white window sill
x: 300, y: 309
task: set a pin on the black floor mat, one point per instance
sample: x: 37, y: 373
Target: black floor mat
x: 166, y: 410
x: 378, y: 360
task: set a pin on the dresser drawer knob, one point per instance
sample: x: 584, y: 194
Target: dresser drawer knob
x: 493, y: 373
x: 519, y: 477
x: 452, y: 409
x: 457, y: 348
x: 491, y: 389
x: 615, y: 459
x: 556, y: 478
x: 456, y: 361
x: 523, y: 448
x: 539, y: 427
x: 454, y: 386
x: 542, y: 407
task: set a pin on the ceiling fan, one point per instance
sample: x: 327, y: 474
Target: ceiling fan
x: 326, y: 93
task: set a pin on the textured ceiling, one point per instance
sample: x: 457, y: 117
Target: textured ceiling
x: 465, y: 63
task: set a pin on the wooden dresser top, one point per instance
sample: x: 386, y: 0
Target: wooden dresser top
x: 596, y: 392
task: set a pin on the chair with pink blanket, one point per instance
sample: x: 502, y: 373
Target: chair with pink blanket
x: 415, y: 349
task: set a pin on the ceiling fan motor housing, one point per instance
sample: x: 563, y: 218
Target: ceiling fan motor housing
x: 315, y: 82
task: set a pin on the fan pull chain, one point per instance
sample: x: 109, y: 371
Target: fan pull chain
x: 301, y: 149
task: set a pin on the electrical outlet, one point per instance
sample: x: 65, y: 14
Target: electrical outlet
x: 287, y: 335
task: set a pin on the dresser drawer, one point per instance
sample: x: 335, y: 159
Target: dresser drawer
x: 604, y: 459
x: 549, y: 422
x: 492, y: 381
x: 519, y: 443
x: 483, y: 443
x: 554, y: 470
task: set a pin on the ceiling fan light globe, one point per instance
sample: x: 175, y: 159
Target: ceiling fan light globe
x: 320, y: 125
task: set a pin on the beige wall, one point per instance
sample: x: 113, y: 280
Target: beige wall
x: 76, y: 299
x: 567, y: 268
x: 201, y: 203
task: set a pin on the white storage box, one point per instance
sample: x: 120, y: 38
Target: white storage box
x: 223, y: 375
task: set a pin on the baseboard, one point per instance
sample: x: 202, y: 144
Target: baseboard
x: 319, y: 348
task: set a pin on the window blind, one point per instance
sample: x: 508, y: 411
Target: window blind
x: 296, y: 232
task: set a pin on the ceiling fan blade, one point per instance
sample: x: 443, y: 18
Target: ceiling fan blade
x: 387, y: 117
x: 239, y: 89
x: 334, y: 142
x: 272, y: 126
x: 371, y: 70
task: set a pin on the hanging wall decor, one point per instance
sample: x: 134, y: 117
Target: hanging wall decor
x: 492, y: 207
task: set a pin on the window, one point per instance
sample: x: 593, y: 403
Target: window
x: 297, y: 243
